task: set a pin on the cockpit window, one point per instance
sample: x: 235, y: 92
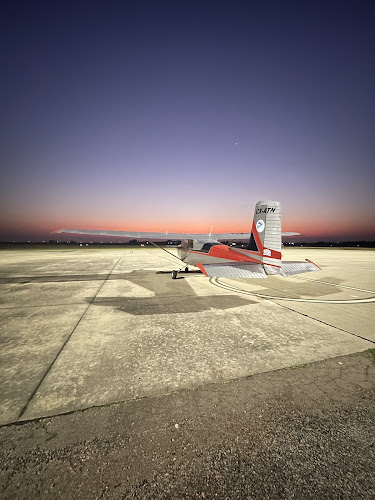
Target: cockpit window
x: 206, y: 247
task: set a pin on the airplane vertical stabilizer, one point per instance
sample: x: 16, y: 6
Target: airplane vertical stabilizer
x: 265, y: 238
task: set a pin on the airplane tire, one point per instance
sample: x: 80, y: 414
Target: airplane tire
x: 186, y: 269
x: 174, y: 275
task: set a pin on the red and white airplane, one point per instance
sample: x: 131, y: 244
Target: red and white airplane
x: 261, y: 257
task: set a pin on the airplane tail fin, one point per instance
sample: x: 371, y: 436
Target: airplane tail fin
x: 265, y: 237
x: 264, y: 248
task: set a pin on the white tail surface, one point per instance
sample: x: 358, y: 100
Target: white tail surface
x: 265, y: 238
x: 234, y: 270
x: 290, y: 268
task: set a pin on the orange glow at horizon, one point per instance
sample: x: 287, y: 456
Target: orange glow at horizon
x: 308, y: 229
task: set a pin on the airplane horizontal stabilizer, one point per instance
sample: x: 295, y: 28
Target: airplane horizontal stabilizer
x: 289, y: 268
x: 233, y: 270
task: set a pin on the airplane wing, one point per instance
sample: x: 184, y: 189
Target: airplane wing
x: 163, y: 236
x: 138, y: 234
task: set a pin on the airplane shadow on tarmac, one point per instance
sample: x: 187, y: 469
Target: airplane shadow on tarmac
x: 62, y: 278
x: 171, y: 297
x: 145, y: 306
x: 161, y: 283
x: 184, y: 273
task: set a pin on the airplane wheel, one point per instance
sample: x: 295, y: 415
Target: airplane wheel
x: 174, y: 275
x: 186, y: 269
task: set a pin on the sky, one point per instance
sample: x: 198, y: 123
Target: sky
x: 181, y: 115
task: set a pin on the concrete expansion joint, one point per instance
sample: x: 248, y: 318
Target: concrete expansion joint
x: 327, y: 324
x: 270, y: 299
x: 23, y: 410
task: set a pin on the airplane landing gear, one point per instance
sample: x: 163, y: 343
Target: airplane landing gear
x: 174, y: 273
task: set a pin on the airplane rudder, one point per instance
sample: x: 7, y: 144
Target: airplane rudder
x: 272, y: 231
x: 265, y: 235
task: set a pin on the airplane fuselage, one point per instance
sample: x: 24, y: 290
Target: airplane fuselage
x: 193, y: 252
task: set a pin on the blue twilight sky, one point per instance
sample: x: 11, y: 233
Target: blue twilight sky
x: 180, y: 115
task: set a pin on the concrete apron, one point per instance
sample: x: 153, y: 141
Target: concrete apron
x: 92, y: 327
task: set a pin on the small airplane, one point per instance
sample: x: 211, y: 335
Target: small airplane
x: 261, y: 257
